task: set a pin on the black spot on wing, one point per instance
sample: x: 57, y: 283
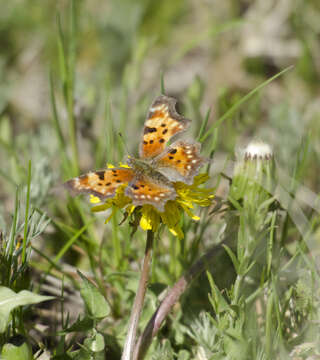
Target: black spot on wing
x: 148, y: 130
x: 100, y: 174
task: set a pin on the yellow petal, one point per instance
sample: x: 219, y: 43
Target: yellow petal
x: 94, y: 199
x: 195, y: 217
x: 124, y: 165
x: 101, y: 207
x: 130, y: 209
x: 150, y: 218
x: 177, y: 232
x: 111, y: 215
x: 145, y: 224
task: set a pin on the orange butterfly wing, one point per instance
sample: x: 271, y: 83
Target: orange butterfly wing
x: 181, y: 161
x: 163, y: 122
x: 101, y: 183
x: 143, y: 190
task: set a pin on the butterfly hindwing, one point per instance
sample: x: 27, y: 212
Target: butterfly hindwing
x: 102, y: 184
x: 162, y: 123
x: 181, y: 161
x: 143, y: 190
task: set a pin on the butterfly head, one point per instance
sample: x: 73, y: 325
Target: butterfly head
x: 137, y: 164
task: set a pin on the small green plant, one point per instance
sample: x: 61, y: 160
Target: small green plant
x: 15, y: 252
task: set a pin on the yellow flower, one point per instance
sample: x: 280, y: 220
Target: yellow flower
x: 150, y: 217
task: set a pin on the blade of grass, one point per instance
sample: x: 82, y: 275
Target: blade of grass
x: 235, y: 106
x: 204, y: 124
x: 62, y: 57
x: 70, y: 89
x: 56, y: 121
x: 110, y: 132
x: 14, y: 223
x: 67, y: 57
x: 162, y: 87
x: 58, y: 130
x: 214, y: 142
x: 26, y: 215
x: 69, y: 243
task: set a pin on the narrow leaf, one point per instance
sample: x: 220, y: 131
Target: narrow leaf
x: 233, y: 257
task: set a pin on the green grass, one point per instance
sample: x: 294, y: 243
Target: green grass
x: 73, y: 76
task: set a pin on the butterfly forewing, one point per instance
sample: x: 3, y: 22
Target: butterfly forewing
x: 181, y: 161
x: 162, y: 123
x: 143, y: 190
x: 101, y: 183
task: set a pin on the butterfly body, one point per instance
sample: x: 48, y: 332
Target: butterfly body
x: 150, y: 178
x: 147, y: 169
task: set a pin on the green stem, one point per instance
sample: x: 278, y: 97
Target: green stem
x: 139, y: 300
x: 269, y: 327
x: 115, y: 242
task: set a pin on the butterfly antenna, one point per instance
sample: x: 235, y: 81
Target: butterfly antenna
x: 123, y: 143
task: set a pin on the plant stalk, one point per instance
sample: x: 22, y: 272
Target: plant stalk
x: 170, y: 300
x: 139, y: 300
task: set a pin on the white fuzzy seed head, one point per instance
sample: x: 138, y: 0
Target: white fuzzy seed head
x: 258, y: 150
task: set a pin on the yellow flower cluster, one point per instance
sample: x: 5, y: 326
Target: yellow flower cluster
x: 151, y: 218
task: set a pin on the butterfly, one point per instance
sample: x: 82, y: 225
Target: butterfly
x: 150, y: 178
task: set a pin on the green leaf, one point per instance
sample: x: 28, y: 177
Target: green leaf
x: 183, y: 355
x: 9, y: 300
x: 245, y: 267
x: 95, y: 343
x: 218, y: 302
x: 95, y: 302
x: 232, y: 257
x: 84, y: 325
x: 16, y: 349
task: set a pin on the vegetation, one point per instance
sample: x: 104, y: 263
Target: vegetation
x: 75, y: 74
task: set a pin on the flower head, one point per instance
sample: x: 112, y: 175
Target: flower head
x: 150, y: 217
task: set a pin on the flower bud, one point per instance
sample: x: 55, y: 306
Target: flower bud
x: 253, y: 172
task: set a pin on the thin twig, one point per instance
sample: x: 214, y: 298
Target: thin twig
x: 170, y: 300
x: 139, y: 300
